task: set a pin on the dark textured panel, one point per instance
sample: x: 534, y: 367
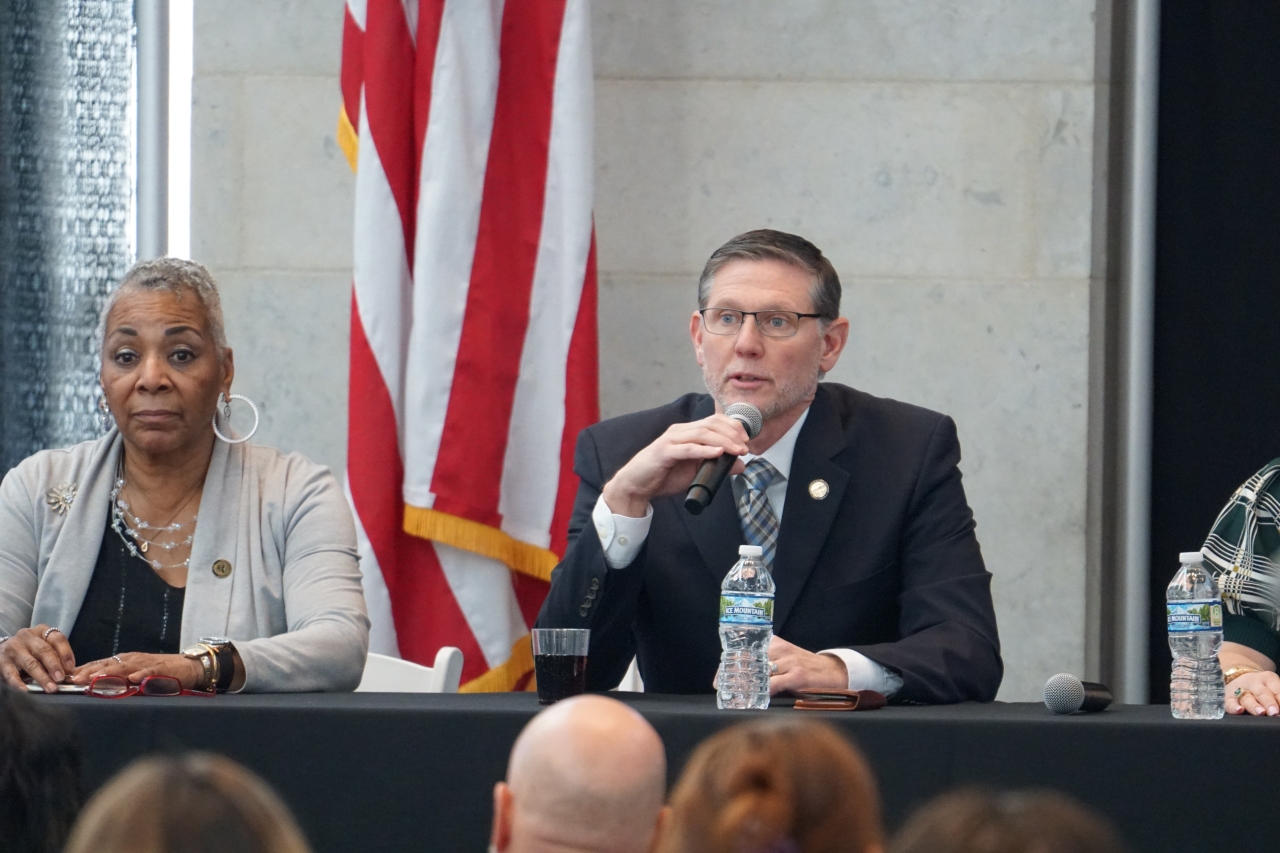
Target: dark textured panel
x: 65, y: 184
x: 1216, y: 405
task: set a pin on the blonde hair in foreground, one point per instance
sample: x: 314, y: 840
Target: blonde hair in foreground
x: 198, y: 803
x: 775, y: 787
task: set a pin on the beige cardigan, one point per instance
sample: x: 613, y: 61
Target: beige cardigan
x: 292, y: 603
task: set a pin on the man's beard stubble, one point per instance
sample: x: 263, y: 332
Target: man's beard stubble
x: 791, y: 393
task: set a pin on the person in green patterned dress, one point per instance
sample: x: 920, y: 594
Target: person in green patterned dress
x: 1243, y: 553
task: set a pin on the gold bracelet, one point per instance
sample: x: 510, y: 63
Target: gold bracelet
x: 208, y: 660
x: 1235, y: 672
x: 212, y: 686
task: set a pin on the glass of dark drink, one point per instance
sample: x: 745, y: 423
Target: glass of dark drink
x: 560, y: 662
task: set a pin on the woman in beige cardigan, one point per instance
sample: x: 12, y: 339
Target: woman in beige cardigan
x: 168, y: 547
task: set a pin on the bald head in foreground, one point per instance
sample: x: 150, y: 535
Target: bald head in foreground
x: 586, y: 774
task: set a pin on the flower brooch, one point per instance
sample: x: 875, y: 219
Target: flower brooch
x: 60, y: 498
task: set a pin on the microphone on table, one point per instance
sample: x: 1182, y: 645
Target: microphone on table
x: 711, y: 472
x: 1066, y: 694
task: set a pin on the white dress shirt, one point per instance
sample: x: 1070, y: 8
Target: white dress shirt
x: 622, y: 537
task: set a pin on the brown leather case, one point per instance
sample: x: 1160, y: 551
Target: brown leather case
x: 817, y: 699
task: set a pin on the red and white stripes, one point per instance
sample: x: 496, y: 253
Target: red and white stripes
x: 473, y: 346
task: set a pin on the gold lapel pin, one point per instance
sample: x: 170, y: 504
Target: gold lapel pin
x: 819, y: 489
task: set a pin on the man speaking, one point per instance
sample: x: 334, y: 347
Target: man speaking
x: 857, y: 499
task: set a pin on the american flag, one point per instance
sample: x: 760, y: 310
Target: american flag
x: 473, y: 323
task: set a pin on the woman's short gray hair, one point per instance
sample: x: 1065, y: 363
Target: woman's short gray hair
x: 177, y: 276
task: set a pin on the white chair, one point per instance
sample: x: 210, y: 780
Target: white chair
x: 632, y: 682
x: 383, y: 674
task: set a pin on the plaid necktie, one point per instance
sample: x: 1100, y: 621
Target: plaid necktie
x: 759, y: 523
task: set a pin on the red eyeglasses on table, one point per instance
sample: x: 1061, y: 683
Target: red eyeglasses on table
x: 118, y: 687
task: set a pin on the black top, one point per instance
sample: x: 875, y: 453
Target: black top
x: 128, y: 608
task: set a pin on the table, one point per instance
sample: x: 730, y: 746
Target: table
x: 393, y: 772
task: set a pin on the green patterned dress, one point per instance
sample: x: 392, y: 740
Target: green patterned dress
x: 1243, y: 553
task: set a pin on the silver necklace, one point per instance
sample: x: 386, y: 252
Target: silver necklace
x: 121, y: 515
x: 134, y: 524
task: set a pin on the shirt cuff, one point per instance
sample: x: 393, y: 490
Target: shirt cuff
x: 866, y: 674
x: 621, y: 536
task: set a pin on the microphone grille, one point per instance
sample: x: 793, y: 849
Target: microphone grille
x: 1063, y: 694
x: 749, y: 415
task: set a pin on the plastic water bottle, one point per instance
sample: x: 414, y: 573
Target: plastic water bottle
x: 1195, y: 635
x: 746, y: 626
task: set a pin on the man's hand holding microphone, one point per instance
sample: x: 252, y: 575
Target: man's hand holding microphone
x: 669, y: 464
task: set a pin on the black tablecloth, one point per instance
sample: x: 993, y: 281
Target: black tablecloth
x: 392, y: 772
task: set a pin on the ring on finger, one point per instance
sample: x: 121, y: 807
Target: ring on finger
x: 49, y: 631
x: 116, y: 658
x: 773, y: 667
x: 1239, y: 692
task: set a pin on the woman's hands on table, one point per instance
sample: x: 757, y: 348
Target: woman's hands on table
x: 41, y: 653
x: 136, y: 666
x: 1256, y: 693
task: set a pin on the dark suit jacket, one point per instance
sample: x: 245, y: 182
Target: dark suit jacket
x: 886, y: 564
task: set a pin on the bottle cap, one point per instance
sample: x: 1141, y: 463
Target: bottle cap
x: 750, y: 551
x: 1193, y: 557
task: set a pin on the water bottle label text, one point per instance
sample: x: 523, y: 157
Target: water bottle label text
x: 1187, y: 617
x: 746, y: 609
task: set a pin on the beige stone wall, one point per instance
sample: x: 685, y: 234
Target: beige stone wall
x: 271, y: 210
x: 939, y: 152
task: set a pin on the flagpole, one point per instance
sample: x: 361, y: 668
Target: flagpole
x: 1137, y: 282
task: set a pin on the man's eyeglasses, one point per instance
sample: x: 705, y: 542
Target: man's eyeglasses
x: 772, y: 324
x: 118, y: 687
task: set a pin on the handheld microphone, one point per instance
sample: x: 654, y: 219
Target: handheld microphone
x: 1066, y: 694
x: 711, y: 472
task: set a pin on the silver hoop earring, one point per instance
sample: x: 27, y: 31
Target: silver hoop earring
x: 105, y: 419
x: 225, y: 402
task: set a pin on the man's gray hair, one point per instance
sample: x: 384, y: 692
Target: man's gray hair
x: 177, y: 276
x: 769, y: 245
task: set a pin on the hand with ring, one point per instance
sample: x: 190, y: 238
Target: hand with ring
x: 1256, y: 693
x: 41, y: 653
x: 136, y: 666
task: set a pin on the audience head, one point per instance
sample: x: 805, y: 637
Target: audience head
x: 40, y: 787
x: 588, y: 773
x: 194, y: 804
x: 775, y: 787
x: 973, y: 821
